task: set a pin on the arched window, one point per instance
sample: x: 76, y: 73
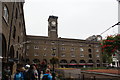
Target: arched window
x: 89, y: 50
x: 81, y: 49
x: 98, y: 61
x: 81, y: 55
x: 90, y: 55
x: 82, y: 61
x: 36, y: 60
x: 5, y: 13
x: 63, y: 61
x: 16, y: 14
x: 90, y: 61
x: 73, y: 61
x: 14, y: 32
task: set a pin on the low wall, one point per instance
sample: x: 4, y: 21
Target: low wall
x: 86, y: 75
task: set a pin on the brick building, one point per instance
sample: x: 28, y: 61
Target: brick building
x: 70, y: 52
x: 12, y: 33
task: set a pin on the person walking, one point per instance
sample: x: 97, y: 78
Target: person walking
x: 41, y: 75
x: 22, y: 72
x: 47, y: 75
x: 17, y: 75
x: 33, y: 73
x: 27, y: 72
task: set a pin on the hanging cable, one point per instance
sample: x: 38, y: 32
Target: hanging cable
x: 110, y: 27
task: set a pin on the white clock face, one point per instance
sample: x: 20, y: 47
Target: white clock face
x: 53, y: 23
x: 98, y: 38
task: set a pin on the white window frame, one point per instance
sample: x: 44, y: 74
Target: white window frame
x: 28, y: 47
x: 72, y: 54
x: 97, y: 50
x: 62, y: 48
x: 52, y: 43
x: 72, y: 49
x: 63, y: 55
x: 44, y: 54
x: 45, y: 48
x: 27, y: 54
x: 36, y: 54
x: 97, y: 55
x: 36, y: 47
x: 81, y: 49
x: 81, y: 55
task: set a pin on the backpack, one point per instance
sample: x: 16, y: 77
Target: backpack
x: 45, y: 77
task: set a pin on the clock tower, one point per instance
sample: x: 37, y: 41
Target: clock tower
x: 52, y: 27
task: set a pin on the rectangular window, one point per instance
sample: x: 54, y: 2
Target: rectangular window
x: 62, y: 48
x: 81, y: 45
x: 62, y: 55
x: 81, y: 49
x: 72, y: 55
x: 28, y: 47
x: 62, y: 43
x: 52, y: 43
x: 72, y: 49
x: 97, y: 50
x: 98, y: 55
x: 36, y: 54
x: 81, y: 55
x: 36, y: 47
x: 44, y: 54
x: 45, y: 48
x: 27, y: 54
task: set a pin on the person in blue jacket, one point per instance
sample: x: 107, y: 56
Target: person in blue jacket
x: 47, y: 75
x: 17, y: 75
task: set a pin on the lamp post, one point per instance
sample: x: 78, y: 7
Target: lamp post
x: 53, y: 73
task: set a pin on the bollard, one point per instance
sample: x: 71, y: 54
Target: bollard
x: 79, y: 76
x: 94, y: 78
x: 69, y: 75
x: 83, y: 77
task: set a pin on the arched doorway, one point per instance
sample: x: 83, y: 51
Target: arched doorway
x: 90, y: 63
x: 98, y: 63
x: 11, y: 53
x: 63, y: 63
x: 73, y: 64
x: 36, y: 61
x: 3, y: 47
x: 82, y: 63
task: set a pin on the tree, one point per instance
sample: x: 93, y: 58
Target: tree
x: 54, y: 60
x: 110, y: 46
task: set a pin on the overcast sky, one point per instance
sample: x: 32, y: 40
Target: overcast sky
x: 77, y: 19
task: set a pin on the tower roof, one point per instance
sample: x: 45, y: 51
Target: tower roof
x: 54, y: 17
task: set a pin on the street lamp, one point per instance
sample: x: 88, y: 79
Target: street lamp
x: 53, y: 73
